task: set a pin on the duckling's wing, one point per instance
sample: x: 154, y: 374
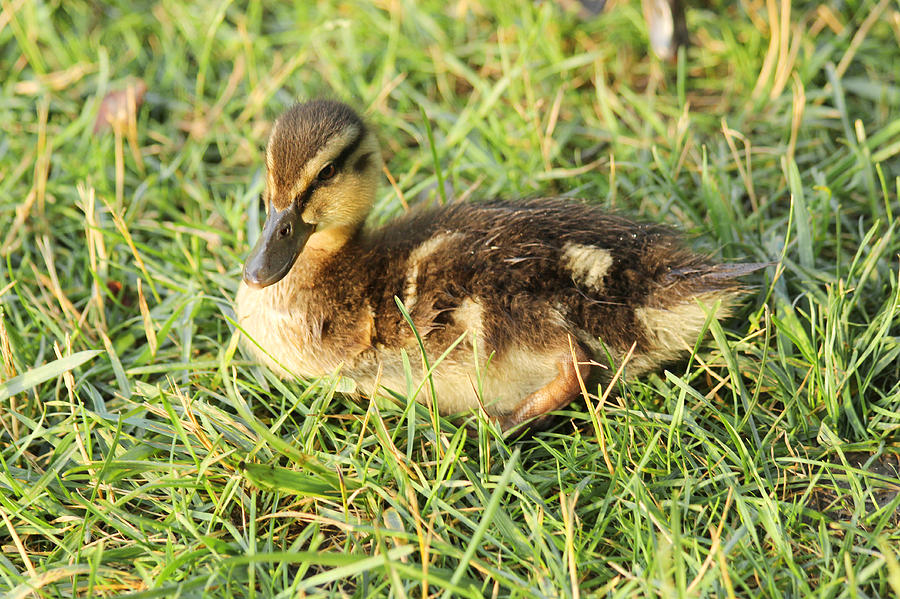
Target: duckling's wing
x: 538, y: 268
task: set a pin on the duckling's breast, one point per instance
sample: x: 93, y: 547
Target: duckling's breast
x: 289, y: 329
x: 277, y: 332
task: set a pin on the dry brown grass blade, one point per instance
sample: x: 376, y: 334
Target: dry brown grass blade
x: 9, y: 371
x: 860, y: 35
x: 149, y: 329
x: 20, y: 547
x: 798, y: 106
x: 97, y: 256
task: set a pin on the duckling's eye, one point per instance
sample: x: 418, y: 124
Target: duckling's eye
x: 327, y: 172
x: 284, y: 231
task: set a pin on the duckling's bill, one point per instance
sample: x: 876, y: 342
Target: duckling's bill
x: 282, y: 239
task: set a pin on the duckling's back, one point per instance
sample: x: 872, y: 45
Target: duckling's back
x: 541, y: 268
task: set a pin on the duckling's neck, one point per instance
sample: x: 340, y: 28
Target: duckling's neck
x: 321, y: 248
x: 330, y: 240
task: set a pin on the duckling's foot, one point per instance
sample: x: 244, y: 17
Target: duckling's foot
x: 556, y: 394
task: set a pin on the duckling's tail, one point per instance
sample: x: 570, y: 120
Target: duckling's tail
x: 719, y: 271
x: 713, y: 277
x: 703, y: 281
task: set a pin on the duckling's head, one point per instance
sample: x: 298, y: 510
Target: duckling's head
x: 322, y: 168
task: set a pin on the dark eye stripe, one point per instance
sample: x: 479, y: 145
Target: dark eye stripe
x: 338, y: 163
x: 362, y: 162
x: 350, y: 149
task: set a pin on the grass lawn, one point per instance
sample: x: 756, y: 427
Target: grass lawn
x: 143, y: 454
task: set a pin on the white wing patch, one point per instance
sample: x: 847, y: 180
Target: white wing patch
x: 587, y: 263
x: 420, y: 253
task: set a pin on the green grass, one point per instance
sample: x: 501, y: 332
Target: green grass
x: 142, y: 453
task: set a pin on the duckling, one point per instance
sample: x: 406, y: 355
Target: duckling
x: 527, y: 299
